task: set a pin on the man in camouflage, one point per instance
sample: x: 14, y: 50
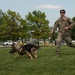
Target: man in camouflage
x: 64, y: 25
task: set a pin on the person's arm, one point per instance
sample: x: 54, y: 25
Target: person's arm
x: 55, y: 27
x: 71, y: 23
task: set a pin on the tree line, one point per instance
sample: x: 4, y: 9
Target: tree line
x: 35, y: 25
x: 13, y: 26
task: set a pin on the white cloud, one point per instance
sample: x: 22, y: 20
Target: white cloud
x: 45, y: 6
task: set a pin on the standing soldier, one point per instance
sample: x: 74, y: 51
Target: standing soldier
x: 64, y: 25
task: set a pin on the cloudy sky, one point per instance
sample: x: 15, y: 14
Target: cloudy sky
x: 50, y: 7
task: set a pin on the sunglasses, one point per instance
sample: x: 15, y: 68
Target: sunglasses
x: 62, y: 12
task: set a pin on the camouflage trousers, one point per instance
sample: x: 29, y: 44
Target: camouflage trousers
x: 59, y: 40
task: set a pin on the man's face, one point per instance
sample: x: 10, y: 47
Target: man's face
x: 62, y: 13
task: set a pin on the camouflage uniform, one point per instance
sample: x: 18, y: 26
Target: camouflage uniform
x: 63, y: 34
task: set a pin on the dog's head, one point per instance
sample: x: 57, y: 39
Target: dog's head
x: 36, y: 47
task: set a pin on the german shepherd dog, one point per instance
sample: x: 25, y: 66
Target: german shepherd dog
x: 29, y: 49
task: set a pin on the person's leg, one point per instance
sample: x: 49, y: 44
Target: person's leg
x: 58, y: 44
x: 68, y: 41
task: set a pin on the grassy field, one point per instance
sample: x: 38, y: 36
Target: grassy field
x: 46, y: 64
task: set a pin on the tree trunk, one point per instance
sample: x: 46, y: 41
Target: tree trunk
x: 37, y: 41
x: 44, y: 40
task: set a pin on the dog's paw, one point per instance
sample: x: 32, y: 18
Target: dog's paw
x: 16, y: 56
x: 31, y: 58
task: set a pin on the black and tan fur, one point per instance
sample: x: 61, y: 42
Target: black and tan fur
x: 29, y: 49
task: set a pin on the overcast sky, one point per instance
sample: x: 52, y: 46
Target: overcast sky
x: 50, y: 7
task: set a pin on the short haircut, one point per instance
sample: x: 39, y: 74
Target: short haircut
x: 62, y: 10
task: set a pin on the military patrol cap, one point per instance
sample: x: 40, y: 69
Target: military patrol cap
x: 62, y: 11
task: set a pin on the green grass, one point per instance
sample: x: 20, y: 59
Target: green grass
x: 46, y: 63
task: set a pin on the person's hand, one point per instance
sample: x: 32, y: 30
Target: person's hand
x: 66, y: 28
x: 51, y: 32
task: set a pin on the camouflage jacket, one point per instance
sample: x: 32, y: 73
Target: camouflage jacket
x: 61, y: 23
